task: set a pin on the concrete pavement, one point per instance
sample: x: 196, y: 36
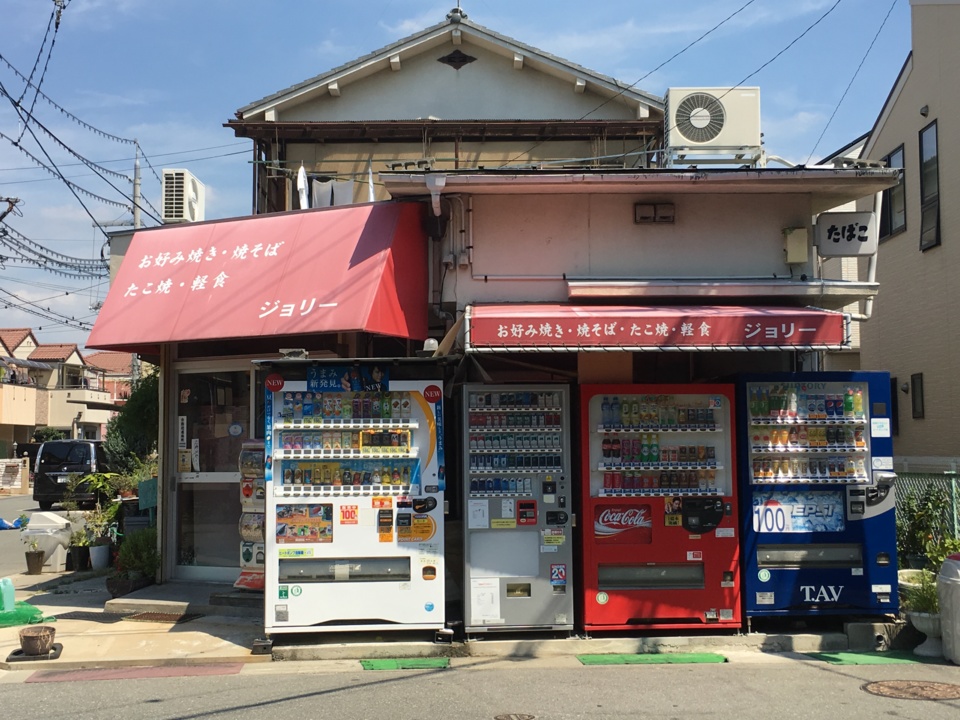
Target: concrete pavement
x: 93, y: 633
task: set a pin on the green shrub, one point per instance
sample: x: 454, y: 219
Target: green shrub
x: 138, y: 554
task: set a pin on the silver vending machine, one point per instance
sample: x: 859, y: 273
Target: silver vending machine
x: 518, y: 523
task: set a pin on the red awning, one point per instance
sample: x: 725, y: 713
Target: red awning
x: 358, y: 268
x: 578, y: 328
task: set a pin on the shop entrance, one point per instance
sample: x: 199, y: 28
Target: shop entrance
x: 212, y: 413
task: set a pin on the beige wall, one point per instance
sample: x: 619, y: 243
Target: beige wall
x: 916, y: 327
x: 18, y: 404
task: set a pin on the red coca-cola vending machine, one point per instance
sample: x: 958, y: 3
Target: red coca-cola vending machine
x: 660, y: 545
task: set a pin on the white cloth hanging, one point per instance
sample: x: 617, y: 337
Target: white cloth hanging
x: 322, y: 193
x: 302, y: 187
x: 343, y: 192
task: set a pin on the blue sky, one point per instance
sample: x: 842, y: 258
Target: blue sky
x: 170, y: 73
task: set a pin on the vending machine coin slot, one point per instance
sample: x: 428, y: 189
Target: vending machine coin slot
x: 562, y: 501
x: 701, y: 514
x: 424, y: 505
x: 549, y: 488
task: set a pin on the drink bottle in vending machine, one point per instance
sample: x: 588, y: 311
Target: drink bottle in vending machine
x: 660, y: 546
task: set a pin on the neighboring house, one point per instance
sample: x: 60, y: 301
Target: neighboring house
x: 915, y: 330
x: 75, y: 405
x: 114, y: 373
x: 51, y: 385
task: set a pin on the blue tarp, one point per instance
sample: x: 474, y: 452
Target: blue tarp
x: 4, y: 525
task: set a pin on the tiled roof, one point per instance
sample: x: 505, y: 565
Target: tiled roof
x: 117, y: 363
x: 12, y: 337
x: 55, y: 351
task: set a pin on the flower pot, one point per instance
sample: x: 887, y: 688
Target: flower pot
x: 35, y: 560
x: 99, y: 557
x: 37, y: 640
x: 80, y: 557
x: 929, y: 625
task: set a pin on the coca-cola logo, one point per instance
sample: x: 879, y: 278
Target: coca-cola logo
x: 611, y: 521
x: 432, y: 394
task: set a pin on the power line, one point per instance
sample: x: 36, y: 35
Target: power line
x: 641, y: 79
x: 850, y: 84
x: 66, y: 112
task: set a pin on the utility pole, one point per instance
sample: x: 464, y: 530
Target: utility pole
x: 11, y: 204
x: 136, y: 189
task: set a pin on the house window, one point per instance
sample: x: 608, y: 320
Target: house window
x: 893, y: 213
x: 916, y: 394
x: 929, y: 188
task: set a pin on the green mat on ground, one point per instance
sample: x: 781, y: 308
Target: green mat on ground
x: 23, y: 613
x: 894, y: 657
x: 406, y: 664
x: 651, y: 659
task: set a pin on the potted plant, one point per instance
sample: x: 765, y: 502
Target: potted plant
x: 99, y: 522
x: 137, y: 563
x: 34, y: 555
x: 80, y: 549
x: 922, y: 607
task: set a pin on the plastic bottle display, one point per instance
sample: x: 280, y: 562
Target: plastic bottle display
x: 808, y: 434
x: 659, y: 444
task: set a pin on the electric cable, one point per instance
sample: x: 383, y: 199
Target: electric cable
x: 852, y: 79
x: 641, y: 79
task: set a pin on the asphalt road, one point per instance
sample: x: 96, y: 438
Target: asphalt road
x: 760, y: 689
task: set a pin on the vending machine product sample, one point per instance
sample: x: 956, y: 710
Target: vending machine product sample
x: 518, y: 544
x: 660, y: 547
x: 252, y: 518
x: 355, y: 485
x: 819, y: 522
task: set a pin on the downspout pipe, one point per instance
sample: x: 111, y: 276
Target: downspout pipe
x: 871, y: 268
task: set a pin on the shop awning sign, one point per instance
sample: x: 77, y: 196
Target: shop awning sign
x: 343, y: 269
x: 578, y: 328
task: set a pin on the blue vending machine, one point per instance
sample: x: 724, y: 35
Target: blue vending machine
x: 819, y: 526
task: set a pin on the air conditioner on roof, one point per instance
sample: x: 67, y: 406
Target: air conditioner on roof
x: 182, y: 197
x: 713, y: 118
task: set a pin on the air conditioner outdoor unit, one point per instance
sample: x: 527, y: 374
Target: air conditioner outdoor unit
x: 182, y: 197
x: 705, y: 118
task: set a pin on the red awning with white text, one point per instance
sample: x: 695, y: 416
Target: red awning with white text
x: 578, y: 328
x: 357, y: 268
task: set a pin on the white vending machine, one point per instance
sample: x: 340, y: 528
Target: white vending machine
x: 355, y: 484
x: 518, y: 540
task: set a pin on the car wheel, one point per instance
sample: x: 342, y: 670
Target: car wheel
x: 45, y: 505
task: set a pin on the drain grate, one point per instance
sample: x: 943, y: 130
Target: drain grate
x: 913, y: 690
x: 160, y: 617
x: 99, y: 617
